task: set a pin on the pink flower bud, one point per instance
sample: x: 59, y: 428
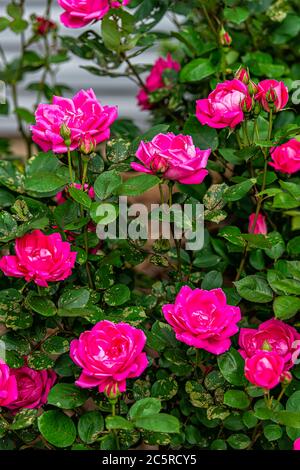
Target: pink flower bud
x: 43, y: 26
x: 260, y: 224
x: 87, y: 144
x: 242, y: 74
x: 286, y: 377
x: 225, y: 38
x: 272, y: 94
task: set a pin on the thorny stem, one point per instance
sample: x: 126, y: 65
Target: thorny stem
x: 177, y: 242
x: 70, y: 165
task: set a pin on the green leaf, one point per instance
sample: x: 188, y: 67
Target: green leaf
x: 204, y: 137
x: 106, y: 184
x: 236, y: 14
x: 41, y: 305
x: 164, y: 389
x: 273, y: 432
x: 117, y: 295
x: 90, y: 426
x: 293, y: 246
x: 74, y: 298
x: 4, y: 23
x: 254, y: 288
x: 57, y: 428
x: 45, y: 183
x: 197, y: 70
x: 80, y: 196
x: 138, y: 185
x: 39, y: 361
x: 277, y: 245
x: 236, y: 399
x: 249, y: 419
x: 288, y: 418
x: 233, y: 235
x: 110, y: 33
x: 24, y: 419
x: 158, y: 423
x: 286, y: 307
x: 67, y: 396
x: 145, y: 407
x: 212, y: 280
x: 239, y: 441
x: 231, y: 365
x: 56, y: 345
x: 257, y: 240
x: 118, y: 422
x: 8, y: 226
x: 238, y: 191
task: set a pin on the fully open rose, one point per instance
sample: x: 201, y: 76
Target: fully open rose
x: 82, y: 114
x: 8, y: 385
x: 203, y: 319
x: 40, y: 258
x: 286, y: 157
x: 109, y: 354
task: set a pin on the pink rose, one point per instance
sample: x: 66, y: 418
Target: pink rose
x: 272, y: 91
x: 174, y: 157
x: 80, y: 13
x: 286, y: 157
x: 274, y: 335
x: 297, y: 444
x: 8, y: 385
x: 155, y: 79
x: 82, y: 114
x: 60, y: 197
x: 260, y: 226
x: 264, y: 369
x: 109, y: 354
x: 203, y: 319
x: 33, y: 387
x: 223, y: 107
x: 40, y: 258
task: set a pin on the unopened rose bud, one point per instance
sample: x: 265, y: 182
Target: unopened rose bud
x: 257, y: 109
x: 65, y: 133
x: 286, y: 378
x: 247, y: 104
x: 252, y: 88
x: 112, y: 392
x: 87, y: 144
x: 243, y: 75
x: 271, y: 97
x: 43, y: 26
x: 225, y: 38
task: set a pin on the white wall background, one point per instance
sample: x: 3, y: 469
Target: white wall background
x: 118, y: 91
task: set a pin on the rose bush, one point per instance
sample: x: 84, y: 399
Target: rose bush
x: 112, y: 342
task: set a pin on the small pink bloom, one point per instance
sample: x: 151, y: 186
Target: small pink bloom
x: 8, y: 385
x: 109, y: 354
x: 80, y: 13
x: 260, y: 226
x: 155, y: 79
x: 297, y: 444
x: 33, y: 387
x: 264, y: 369
x: 203, y: 319
x: 174, y: 157
x: 223, y: 107
x: 40, y: 258
x: 286, y: 377
x: 274, y: 335
x: 286, y: 157
x: 81, y: 115
x: 87, y: 144
x: 272, y: 91
x: 60, y: 197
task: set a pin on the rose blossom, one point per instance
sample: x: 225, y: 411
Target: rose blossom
x: 297, y: 444
x: 223, y: 107
x: 60, y: 197
x: 109, y: 354
x: 155, y: 80
x: 33, y: 387
x: 40, y: 258
x: 274, y: 335
x: 264, y: 369
x: 80, y: 13
x: 174, y: 157
x: 203, y: 319
x: 260, y: 226
x: 43, y: 25
x: 272, y: 91
x: 81, y: 115
x: 8, y: 385
x: 286, y: 157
